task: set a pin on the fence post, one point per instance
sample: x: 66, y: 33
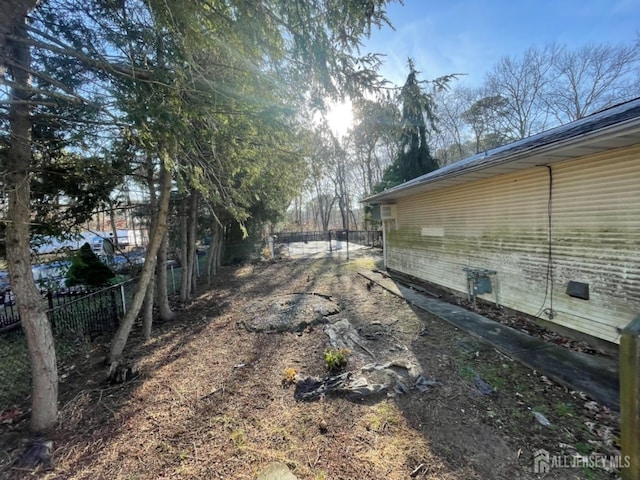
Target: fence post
x: 114, y: 308
x: 124, y: 301
x: 347, y: 244
x: 630, y: 400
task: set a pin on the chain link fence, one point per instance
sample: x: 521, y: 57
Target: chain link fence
x: 15, y: 368
x: 76, y: 317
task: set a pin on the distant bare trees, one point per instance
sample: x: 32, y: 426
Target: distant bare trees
x: 527, y: 94
x: 374, y: 137
x: 450, y: 140
x: 520, y: 96
x: 590, y: 79
x: 487, y: 116
x: 522, y: 82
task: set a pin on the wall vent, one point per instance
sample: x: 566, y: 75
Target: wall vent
x: 578, y: 290
x: 388, y: 212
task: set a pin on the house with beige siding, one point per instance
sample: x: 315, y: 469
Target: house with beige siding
x: 548, y: 225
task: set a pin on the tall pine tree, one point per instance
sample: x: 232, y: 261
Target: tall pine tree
x: 418, y: 118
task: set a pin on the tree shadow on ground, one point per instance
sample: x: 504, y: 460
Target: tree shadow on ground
x: 209, y: 402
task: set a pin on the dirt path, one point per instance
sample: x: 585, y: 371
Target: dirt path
x: 209, y: 401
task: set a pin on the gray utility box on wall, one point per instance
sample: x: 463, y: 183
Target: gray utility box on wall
x: 479, y: 282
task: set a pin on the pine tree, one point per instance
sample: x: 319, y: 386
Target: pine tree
x: 87, y: 269
x: 418, y: 118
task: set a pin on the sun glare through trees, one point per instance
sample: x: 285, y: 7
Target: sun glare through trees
x: 340, y: 118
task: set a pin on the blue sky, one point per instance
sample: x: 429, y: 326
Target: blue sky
x: 469, y: 36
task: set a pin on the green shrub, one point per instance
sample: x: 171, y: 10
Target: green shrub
x: 336, y: 359
x: 87, y: 269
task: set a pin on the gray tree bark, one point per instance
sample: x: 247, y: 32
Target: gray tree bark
x: 155, y: 240
x: 162, y: 297
x: 147, y: 311
x: 112, y: 220
x: 32, y: 309
x: 147, y: 306
x: 193, y: 238
x: 213, y: 258
x: 189, y: 219
x: 14, y: 13
x: 219, y: 247
x: 184, y: 250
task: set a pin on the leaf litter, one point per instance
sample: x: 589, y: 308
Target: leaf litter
x: 209, y: 400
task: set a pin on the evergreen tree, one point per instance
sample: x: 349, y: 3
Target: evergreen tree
x: 87, y: 269
x: 418, y: 118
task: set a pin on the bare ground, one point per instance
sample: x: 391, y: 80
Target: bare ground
x: 209, y: 400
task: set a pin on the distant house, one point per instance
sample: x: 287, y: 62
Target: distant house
x: 556, y: 216
x: 48, y: 244
x: 124, y: 240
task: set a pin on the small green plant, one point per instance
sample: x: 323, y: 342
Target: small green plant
x: 466, y: 372
x: 583, y: 448
x: 237, y: 437
x: 540, y: 409
x: 563, y: 409
x: 588, y: 474
x: 336, y: 359
x: 321, y: 475
x: 289, y: 377
x: 383, y: 416
x: 494, y: 376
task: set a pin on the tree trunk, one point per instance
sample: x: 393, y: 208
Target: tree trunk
x: 147, y: 311
x: 370, y: 170
x: 220, y: 249
x: 343, y: 211
x: 210, y: 269
x: 14, y: 13
x: 133, y: 229
x: 355, y: 221
x: 121, y: 336
x: 147, y: 306
x: 114, y: 227
x: 188, y: 246
x: 184, y: 251
x: 32, y: 309
x: 162, y: 296
x: 217, y: 247
x: 193, y: 237
x: 212, y: 264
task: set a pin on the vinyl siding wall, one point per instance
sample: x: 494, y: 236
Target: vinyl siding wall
x: 502, y: 224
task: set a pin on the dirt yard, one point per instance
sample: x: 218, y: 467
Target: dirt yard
x: 211, y: 398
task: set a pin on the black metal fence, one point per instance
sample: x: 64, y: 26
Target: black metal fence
x: 93, y: 313
x: 75, y: 317
x: 363, y: 237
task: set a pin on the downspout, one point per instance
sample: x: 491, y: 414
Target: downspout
x: 548, y: 293
x: 384, y: 242
x: 549, y: 312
